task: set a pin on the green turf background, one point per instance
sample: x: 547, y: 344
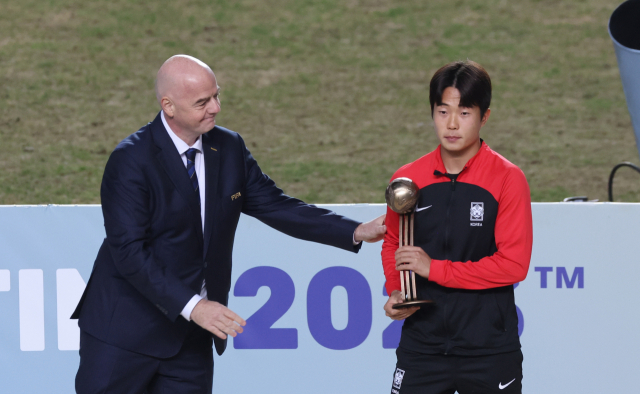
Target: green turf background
x: 330, y: 95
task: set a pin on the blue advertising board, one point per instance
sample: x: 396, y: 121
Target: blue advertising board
x: 315, y: 322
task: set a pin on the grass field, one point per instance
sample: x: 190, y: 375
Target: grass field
x: 331, y: 96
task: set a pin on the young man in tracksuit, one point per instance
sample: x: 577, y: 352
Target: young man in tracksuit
x: 473, y: 238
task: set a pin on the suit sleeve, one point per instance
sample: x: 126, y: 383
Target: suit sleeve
x: 514, y: 240
x: 127, y: 215
x: 266, y: 202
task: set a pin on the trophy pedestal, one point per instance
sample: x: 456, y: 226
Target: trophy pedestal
x: 409, y: 304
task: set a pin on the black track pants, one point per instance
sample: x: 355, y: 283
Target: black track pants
x: 439, y: 374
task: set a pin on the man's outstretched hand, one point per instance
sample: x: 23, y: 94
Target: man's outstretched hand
x: 372, y: 231
x: 217, y: 318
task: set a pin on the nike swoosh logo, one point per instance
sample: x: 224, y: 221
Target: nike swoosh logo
x: 501, y: 387
x: 422, y: 209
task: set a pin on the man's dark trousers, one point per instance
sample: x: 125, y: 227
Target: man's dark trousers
x: 189, y: 372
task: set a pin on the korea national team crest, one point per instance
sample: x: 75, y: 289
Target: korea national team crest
x: 477, y: 211
x: 397, y: 378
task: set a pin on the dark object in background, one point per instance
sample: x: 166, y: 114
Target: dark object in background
x: 624, y: 29
x: 613, y: 172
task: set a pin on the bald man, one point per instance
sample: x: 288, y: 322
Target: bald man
x: 171, y: 195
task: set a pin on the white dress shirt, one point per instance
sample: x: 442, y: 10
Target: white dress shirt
x: 182, y: 148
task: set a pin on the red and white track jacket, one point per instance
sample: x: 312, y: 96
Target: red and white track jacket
x: 477, y: 228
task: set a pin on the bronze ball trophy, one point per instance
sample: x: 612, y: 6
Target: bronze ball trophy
x: 402, y: 196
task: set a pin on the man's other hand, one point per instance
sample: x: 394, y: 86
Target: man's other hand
x: 413, y: 258
x: 398, y: 314
x: 372, y: 231
x: 217, y: 318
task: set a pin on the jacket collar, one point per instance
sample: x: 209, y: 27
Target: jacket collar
x: 212, y: 153
x: 440, y: 168
x: 171, y: 162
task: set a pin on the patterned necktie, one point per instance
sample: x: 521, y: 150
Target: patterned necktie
x: 191, y: 169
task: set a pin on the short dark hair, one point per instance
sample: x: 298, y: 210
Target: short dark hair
x: 471, y: 80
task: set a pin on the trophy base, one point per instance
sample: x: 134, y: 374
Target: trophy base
x: 409, y: 304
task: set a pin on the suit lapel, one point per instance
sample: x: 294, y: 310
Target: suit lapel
x: 171, y: 162
x: 212, y: 154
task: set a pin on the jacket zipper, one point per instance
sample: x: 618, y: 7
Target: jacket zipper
x: 448, y: 255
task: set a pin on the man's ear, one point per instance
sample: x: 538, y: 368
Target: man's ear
x: 167, y: 106
x: 484, y: 119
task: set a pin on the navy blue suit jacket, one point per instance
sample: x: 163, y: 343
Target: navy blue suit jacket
x: 155, y: 255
